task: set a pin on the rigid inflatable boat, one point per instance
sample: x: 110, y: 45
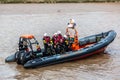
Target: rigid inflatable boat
x: 89, y: 46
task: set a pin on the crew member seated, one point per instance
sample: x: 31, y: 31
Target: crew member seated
x: 47, y: 44
x: 60, y: 39
x: 55, y: 43
x: 66, y: 44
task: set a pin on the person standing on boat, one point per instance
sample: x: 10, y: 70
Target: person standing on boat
x: 47, y: 44
x: 71, y: 31
x: 72, y: 34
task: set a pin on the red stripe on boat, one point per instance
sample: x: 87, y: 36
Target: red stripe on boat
x: 88, y: 54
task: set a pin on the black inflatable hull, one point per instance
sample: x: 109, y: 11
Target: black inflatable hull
x: 10, y: 58
x: 101, y: 41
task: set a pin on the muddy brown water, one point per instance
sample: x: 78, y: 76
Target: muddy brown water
x: 91, y: 18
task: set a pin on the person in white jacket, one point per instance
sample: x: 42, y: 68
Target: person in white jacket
x: 71, y: 31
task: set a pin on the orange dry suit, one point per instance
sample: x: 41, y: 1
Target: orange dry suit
x: 73, y: 34
x: 75, y: 45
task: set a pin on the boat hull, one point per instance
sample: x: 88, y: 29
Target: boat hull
x: 97, y: 47
x: 10, y: 58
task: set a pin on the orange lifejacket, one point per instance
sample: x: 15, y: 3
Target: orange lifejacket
x: 75, y: 45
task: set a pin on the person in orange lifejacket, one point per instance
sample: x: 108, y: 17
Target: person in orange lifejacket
x: 47, y: 42
x: 72, y: 34
x: 71, y: 30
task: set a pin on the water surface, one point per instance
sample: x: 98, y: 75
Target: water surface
x: 36, y: 19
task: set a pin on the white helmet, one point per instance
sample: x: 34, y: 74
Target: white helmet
x: 45, y: 34
x: 72, y: 21
x: 58, y: 32
x: 55, y: 34
x: 65, y: 36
